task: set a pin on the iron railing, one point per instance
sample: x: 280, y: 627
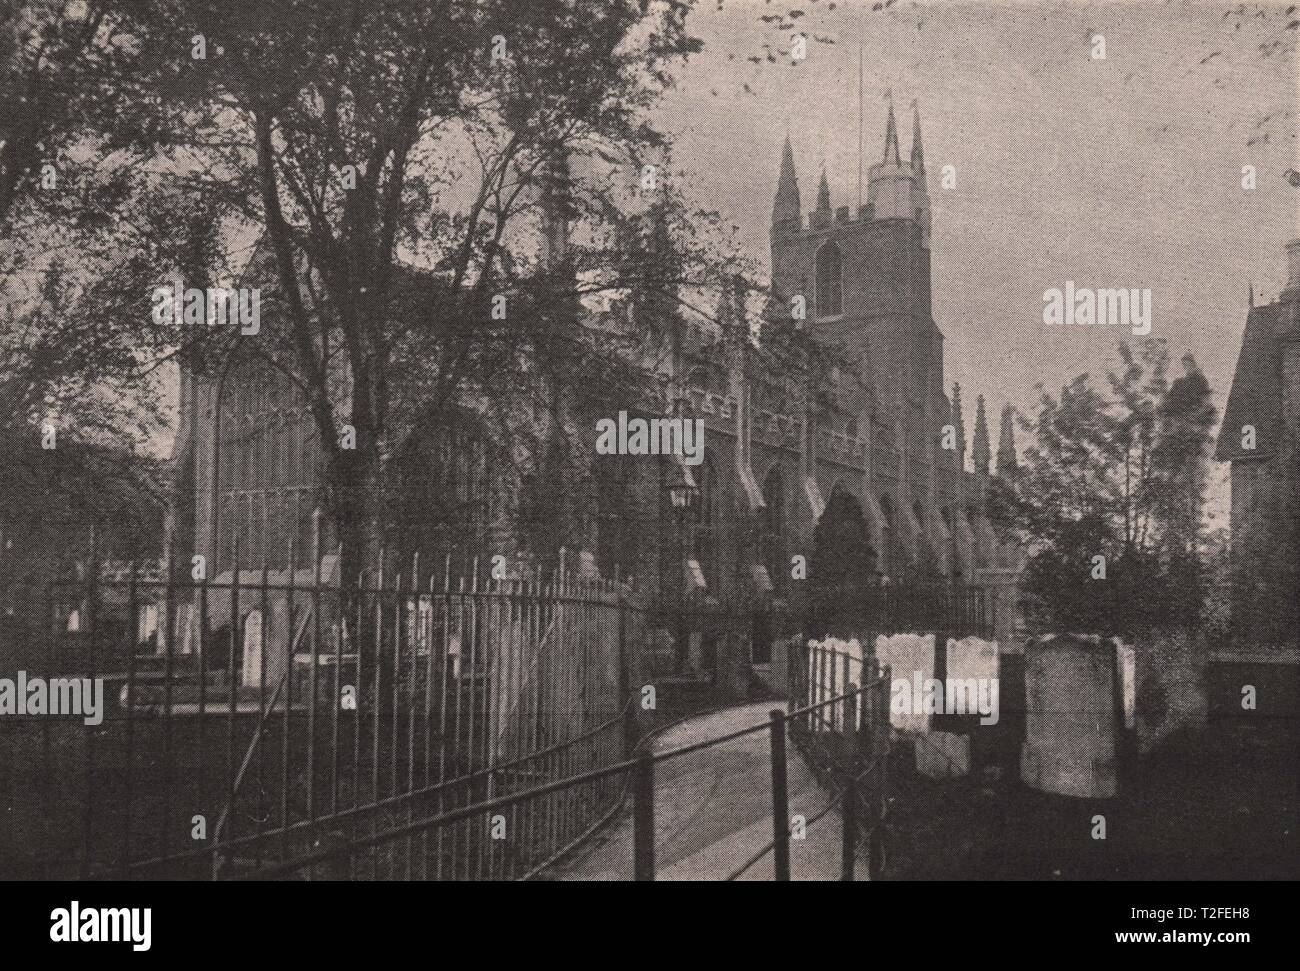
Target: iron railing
x: 274, y: 712
x: 862, y: 774
x: 841, y: 727
x: 932, y: 607
x: 277, y: 722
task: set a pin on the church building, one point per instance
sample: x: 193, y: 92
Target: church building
x: 859, y: 475
x: 1260, y: 437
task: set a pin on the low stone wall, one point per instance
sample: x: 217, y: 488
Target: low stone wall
x: 1254, y: 682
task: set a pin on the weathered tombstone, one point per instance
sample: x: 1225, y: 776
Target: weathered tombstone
x: 251, y: 673
x: 1078, y: 714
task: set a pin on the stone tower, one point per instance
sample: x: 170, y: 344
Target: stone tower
x: 865, y: 278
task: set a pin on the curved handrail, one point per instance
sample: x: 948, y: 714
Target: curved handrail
x: 499, y: 802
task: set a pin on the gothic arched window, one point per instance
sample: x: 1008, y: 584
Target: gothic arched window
x: 927, y: 556
x: 265, y: 490
x: 843, y: 559
x: 705, y: 535
x: 450, y: 488
x: 976, y: 553
x: 774, y: 527
x: 888, y: 537
x: 830, y: 283
x: 954, y: 562
x: 617, y: 535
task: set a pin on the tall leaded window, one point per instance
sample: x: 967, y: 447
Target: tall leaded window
x: 704, y: 540
x: 668, y: 536
x: 830, y: 282
x: 617, y: 547
x: 954, y: 563
x: 462, y: 477
x: 888, y: 537
x: 447, y: 489
x: 266, y: 484
x: 927, y: 558
x: 774, y: 527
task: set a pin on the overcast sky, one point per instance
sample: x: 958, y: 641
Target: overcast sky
x: 1122, y: 172
x: 1117, y: 172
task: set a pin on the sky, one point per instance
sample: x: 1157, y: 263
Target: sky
x: 1122, y: 171
x: 1125, y: 171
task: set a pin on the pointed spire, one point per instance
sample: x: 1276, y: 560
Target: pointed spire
x: 891, y: 139
x: 958, y: 419
x: 823, y: 193
x: 980, y: 453
x: 918, y: 157
x: 1007, y: 442
x: 1252, y: 294
x: 787, y: 205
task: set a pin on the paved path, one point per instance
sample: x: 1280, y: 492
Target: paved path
x: 713, y: 811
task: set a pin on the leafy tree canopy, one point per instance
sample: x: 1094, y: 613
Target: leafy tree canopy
x: 1109, y: 497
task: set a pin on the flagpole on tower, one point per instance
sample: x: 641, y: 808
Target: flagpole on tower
x: 859, y: 128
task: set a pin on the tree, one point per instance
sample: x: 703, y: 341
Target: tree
x: 843, y: 562
x: 64, y: 64
x: 392, y: 157
x: 83, y: 239
x: 81, y: 360
x: 1109, y: 499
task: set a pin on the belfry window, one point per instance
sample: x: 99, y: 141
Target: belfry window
x: 830, y: 285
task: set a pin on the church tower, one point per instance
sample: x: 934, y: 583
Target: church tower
x: 865, y: 276
x: 865, y: 280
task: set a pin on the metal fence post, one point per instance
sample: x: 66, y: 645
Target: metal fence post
x: 780, y: 799
x: 791, y: 675
x: 867, y: 713
x: 852, y: 735
x: 625, y: 681
x: 875, y: 849
x: 848, y: 814
x: 643, y: 817
x: 876, y: 803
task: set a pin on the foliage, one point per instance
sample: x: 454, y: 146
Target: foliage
x: 387, y: 173
x: 1119, y: 473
